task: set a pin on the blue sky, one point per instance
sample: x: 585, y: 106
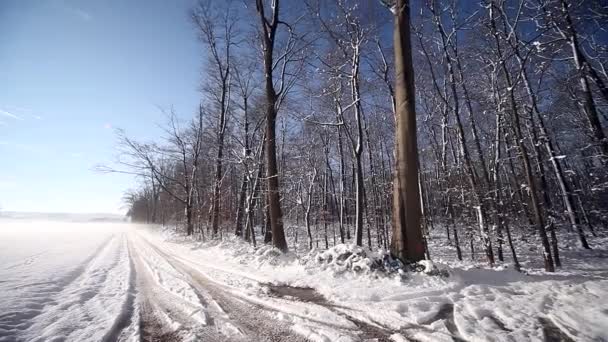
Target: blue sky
x: 72, y: 71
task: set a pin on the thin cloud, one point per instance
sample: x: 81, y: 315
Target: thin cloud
x: 69, y: 7
x: 20, y: 112
x: 80, y: 13
x: 84, y: 15
x: 10, y: 115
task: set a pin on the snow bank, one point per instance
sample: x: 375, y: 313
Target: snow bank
x: 342, y: 258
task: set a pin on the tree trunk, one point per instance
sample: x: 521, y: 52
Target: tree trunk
x: 217, y: 186
x: 342, y: 187
x: 189, y: 223
x: 241, y: 207
x: 407, y: 243
x: 244, y: 183
x: 358, y: 200
x: 273, y: 195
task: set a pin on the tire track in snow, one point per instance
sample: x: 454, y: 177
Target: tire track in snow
x: 366, y: 329
x: 551, y: 332
x: 259, y: 303
x: 126, y: 317
x: 363, y: 330
x: 152, y: 325
x: 369, y: 330
x: 247, y: 317
x: 164, y: 314
x: 247, y: 321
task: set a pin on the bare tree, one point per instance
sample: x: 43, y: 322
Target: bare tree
x: 291, y: 53
x: 217, y: 28
x: 173, y: 166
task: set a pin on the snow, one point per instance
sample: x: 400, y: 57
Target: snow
x: 69, y: 281
x: 484, y: 303
x: 83, y: 281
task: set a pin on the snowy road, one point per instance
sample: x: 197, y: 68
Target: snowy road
x: 110, y: 283
x: 177, y: 295
x: 118, y: 282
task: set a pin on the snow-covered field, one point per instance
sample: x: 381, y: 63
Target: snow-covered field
x: 63, y: 280
x: 106, y: 282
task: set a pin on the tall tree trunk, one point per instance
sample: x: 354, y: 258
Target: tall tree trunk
x: 189, y: 221
x: 357, y: 146
x: 374, y: 186
x: 358, y: 200
x: 241, y: 207
x: 269, y: 28
x: 407, y: 243
x: 244, y: 182
x: 342, y: 212
x: 252, y: 198
x: 217, y: 185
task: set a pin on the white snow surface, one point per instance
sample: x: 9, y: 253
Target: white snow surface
x: 62, y: 280
x: 70, y: 281
x: 481, y: 303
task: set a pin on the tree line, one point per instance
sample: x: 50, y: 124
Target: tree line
x: 381, y: 122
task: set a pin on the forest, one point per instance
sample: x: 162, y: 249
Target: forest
x: 493, y: 113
